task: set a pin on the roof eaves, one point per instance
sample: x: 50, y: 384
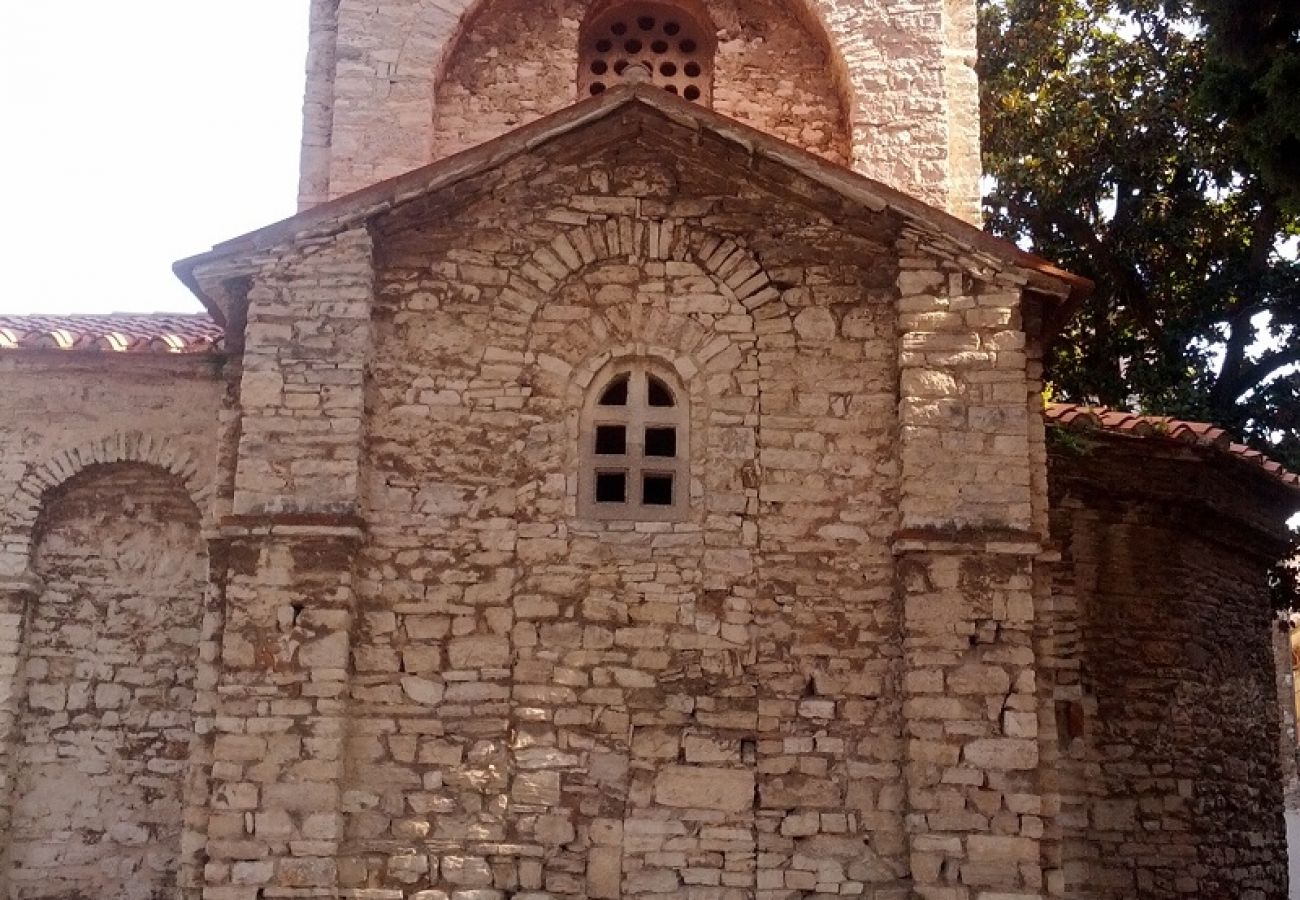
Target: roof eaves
x: 1066, y: 288
x: 1203, y: 435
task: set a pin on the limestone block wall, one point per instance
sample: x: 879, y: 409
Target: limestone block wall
x: 517, y: 61
x: 550, y: 704
x: 299, y: 396
x: 282, y: 571
x: 64, y: 411
x: 764, y: 699
x: 1170, y: 780
x: 111, y: 655
x: 72, y: 573
x: 887, y: 86
x: 969, y: 553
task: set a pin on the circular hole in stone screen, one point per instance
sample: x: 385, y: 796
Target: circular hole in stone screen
x: 689, y: 46
x: 604, y: 45
x: 620, y: 67
x: 633, y: 46
x: 671, y: 88
x: 599, y: 67
x: 597, y: 88
x: 619, y: 28
x: 659, y: 46
x: 672, y: 29
x: 668, y: 70
x: 691, y: 92
x: 692, y: 70
x: 646, y: 23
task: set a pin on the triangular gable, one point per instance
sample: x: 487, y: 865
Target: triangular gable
x: 1063, y: 288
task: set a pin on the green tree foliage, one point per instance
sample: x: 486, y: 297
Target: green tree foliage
x: 1154, y: 146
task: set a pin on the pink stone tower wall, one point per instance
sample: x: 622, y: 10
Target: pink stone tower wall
x: 885, y: 86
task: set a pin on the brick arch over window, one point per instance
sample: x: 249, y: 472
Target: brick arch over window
x: 696, y: 352
x: 735, y: 270
x: 41, y: 478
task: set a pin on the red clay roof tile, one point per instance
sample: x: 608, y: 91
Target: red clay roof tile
x: 114, y: 333
x: 1201, y: 434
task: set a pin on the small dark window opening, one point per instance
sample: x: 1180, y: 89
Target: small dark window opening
x: 611, y: 440
x: 611, y: 487
x: 658, y: 393
x: 657, y: 490
x: 634, y: 447
x: 661, y: 442
x: 615, y: 394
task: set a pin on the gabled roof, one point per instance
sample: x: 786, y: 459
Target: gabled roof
x: 1197, y: 434
x: 347, y: 211
x: 114, y: 333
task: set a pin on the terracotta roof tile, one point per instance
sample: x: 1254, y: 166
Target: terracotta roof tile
x: 1201, y: 434
x: 115, y: 333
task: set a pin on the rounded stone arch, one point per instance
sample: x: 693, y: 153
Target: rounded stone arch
x: 696, y: 353
x: 735, y: 270
x: 430, y: 45
x: 475, y: 100
x: 113, y: 627
x: 29, y: 496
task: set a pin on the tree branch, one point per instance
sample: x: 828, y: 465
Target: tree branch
x: 1257, y: 373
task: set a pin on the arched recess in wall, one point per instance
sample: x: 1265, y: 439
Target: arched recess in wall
x: 128, y: 446
x: 108, y: 685
x: 676, y: 331
x: 513, y: 61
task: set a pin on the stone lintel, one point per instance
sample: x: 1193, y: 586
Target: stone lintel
x: 339, y: 526
x: 963, y: 539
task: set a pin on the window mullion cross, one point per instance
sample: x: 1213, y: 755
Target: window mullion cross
x: 638, y: 394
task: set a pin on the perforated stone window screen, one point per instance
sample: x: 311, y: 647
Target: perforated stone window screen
x: 671, y: 45
x: 635, y: 452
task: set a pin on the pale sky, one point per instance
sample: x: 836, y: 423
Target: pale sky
x: 138, y: 132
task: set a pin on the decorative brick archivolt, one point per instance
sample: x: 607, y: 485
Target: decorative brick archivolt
x: 738, y: 275
x: 29, y: 495
x: 691, y: 350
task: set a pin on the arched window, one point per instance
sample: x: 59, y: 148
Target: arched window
x: 667, y: 44
x: 634, y: 452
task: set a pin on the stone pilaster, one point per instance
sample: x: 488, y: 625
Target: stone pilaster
x: 274, y: 822
x: 975, y: 811
x: 965, y: 567
x: 283, y: 572
x: 15, y: 596
x: 318, y: 104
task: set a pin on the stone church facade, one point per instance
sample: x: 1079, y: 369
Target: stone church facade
x: 600, y: 493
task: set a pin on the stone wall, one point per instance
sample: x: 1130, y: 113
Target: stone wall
x: 517, y: 61
x: 68, y: 412
x: 438, y: 678
x: 152, y: 408
x: 893, y: 93
x: 1170, y: 780
x: 1289, y: 740
x: 111, y: 652
x: 545, y: 703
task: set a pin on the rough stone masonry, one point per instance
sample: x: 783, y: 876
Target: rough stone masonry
x: 628, y: 499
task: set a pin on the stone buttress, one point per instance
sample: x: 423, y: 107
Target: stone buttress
x: 288, y: 550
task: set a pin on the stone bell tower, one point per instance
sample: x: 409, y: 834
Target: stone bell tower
x: 887, y: 87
